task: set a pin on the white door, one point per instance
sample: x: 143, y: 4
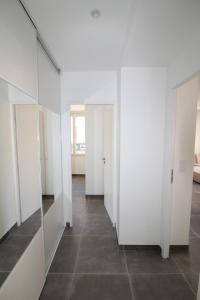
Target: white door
x: 94, y: 183
x: 187, y: 96
x: 108, y: 159
x: 28, y: 151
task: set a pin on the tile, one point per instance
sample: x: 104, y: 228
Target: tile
x: 188, y: 259
x: 47, y: 202
x: 99, y: 225
x: 30, y: 226
x: 193, y: 279
x: 161, y: 287
x: 195, y: 208
x: 149, y: 261
x: 196, y: 187
x: 57, y: 287
x: 101, y: 287
x: 195, y: 224
x: 192, y: 234
x: 11, y: 250
x: 65, y: 257
x: 3, y: 276
x: 100, y: 255
x: 79, y: 205
x: 78, y: 226
x: 95, y: 205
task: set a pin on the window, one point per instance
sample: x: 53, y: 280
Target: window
x: 78, y: 134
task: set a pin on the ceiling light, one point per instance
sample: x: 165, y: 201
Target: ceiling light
x: 95, y: 13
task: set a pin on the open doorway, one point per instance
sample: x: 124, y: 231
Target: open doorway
x: 92, y: 154
x: 187, y: 96
x: 185, y: 213
x: 195, y: 207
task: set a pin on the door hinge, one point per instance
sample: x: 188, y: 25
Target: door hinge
x: 172, y: 176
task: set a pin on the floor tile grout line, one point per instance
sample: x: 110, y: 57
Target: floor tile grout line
x: 116, y: 274
x: 129, y: 276
x: 75, y: 265
x: 183, y: 274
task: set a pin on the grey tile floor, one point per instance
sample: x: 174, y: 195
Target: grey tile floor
x: 89, y: 264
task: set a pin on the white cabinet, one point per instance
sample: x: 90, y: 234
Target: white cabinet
x: 48, y: 82
x: 26, y: 280
x: 18, y: 48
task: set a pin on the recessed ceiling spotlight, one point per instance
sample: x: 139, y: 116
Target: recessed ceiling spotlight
x: 95, y: 13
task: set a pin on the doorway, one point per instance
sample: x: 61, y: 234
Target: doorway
x: 92, y: 151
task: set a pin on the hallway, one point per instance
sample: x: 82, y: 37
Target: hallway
x: 90, y: 265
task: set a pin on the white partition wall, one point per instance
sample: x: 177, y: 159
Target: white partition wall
x: 18, y: 59
x: 142, y: 119
x: 27, y: 132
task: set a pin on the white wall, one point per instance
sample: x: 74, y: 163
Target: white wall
x: 66, y: 166
x: 27, y: 132
x: 108, y: 154
x: 7, y: 186
x: 143, y: 92
x: 88, y: 88
x: 18, y: 59
x: 186, y: 108
x: 94, y: 177
x: 78, y: 164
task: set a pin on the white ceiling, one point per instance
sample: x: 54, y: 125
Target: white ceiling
x: 75, y: 39
x: 129, y: 32
x: 160, y: 31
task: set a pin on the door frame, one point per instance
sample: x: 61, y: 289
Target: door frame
x: 116, y: 136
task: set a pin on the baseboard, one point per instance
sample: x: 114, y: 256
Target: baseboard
x: 141, y: 247
x: 47, y: 197
x: 100, y: 197
x: 178, y: 247
x: 74, y: 175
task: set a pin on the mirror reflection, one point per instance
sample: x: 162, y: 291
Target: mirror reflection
x: 20, y: 180
x: 46, y: 157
